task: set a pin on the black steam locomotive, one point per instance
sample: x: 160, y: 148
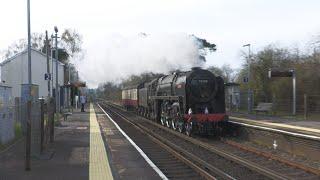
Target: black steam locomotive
x: 191, y: 101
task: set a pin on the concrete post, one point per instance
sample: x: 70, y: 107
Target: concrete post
x: 51, y: 106
x: 41, y: 125
x: 294, y: 92
x: 28, y: 139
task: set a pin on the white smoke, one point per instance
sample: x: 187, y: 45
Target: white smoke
x: 117, y: 57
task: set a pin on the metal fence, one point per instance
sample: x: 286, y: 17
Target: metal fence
x: 7, y: 124
x: 307, y: 106
x: 13, y: 122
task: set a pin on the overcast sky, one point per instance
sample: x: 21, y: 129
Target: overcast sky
x: 227, y: 23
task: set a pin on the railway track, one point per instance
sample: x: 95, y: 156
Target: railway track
x: 215, y: 156
x: 168, y: 160
x: 300, y: 144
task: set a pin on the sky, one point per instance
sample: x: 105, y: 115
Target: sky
x: 227, y: 23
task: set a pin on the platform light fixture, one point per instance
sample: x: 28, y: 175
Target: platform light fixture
x: 57, y: 72
x: 248, y: 78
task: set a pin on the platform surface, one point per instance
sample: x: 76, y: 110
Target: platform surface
x: 99, y: 167
x: 297, y: 126
x: 82, y: 150
x: 70, y: 159
x: 126, y: 162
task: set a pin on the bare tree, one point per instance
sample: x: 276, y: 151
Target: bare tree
x: 37, y: 42
x: 226, y: 72
x: 70, y: 45
x: 71, y: 41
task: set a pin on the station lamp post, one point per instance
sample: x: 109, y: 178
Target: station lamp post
x: 57, y: 71
x: 248, y: 77
x: 28, y: 137
x: 48, y: 75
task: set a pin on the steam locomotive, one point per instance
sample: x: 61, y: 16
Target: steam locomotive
x: 190, y: 102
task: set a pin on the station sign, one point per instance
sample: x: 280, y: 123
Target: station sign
x: 47, y: 76
x: 280, y: 73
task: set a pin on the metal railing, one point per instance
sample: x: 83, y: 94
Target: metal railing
x: 307, y: 105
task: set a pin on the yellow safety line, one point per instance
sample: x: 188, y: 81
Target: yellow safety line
x: 98, y: 165
x: 278, y: 124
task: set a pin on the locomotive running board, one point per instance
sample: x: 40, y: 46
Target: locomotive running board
x: 166, y: 97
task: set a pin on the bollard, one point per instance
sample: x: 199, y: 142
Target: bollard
x: 51, y: 120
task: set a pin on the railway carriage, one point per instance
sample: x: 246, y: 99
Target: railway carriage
x: 129, y: 97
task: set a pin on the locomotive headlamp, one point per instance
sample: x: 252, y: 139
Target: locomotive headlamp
x: 206, y: 111
x: 190, y: 111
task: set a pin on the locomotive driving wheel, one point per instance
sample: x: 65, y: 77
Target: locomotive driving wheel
x: 188, y: 128
x: 174, y: 125
x: 168, y: 122
x: 162, y: 120
x: 175, y: 122
x: 180, y: 127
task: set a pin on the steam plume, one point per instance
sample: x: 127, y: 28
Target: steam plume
x: 118, y: 57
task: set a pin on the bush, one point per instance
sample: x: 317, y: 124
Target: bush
x: 17, y: 130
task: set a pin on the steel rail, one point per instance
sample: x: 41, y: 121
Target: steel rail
x: 271, y: 128
x: 177, y: 152
x: 274, y: 157
x: 251, y: 165
x: 280, y: 131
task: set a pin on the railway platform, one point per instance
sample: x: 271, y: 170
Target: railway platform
x: 82, y: 150
x: 69, y: 154
x: 125, y: 160
x: 303, y: 127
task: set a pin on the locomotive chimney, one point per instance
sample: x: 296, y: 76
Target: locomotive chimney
x: 195, y: 68
x: 175, y: 71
